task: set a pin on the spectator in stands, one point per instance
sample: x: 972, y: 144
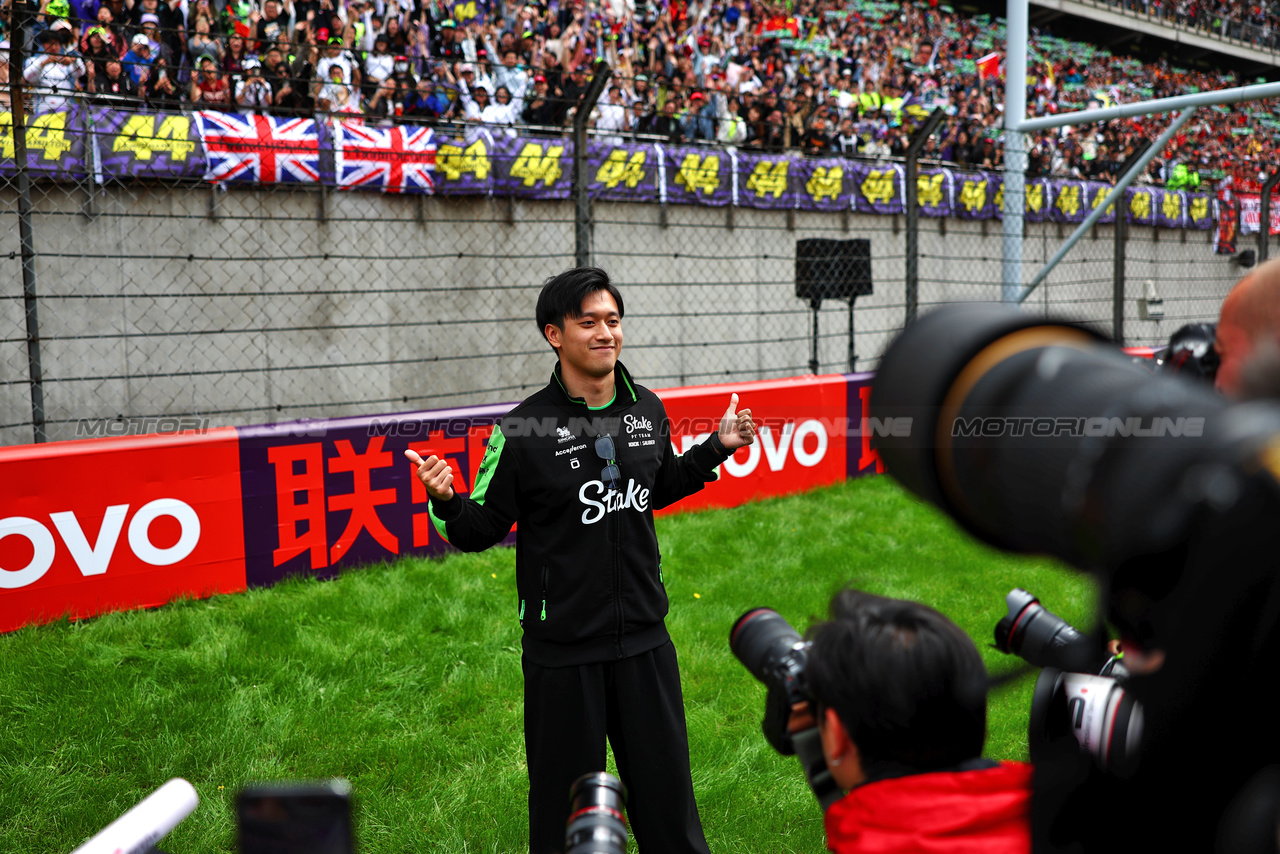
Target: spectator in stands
x: 167, y: 18
x: 699, y: 120
x: 613, y: 116
x: 253, y: 93
x: 846, y: 141
x: 159, y: 49
x: 233, y: 59
x: 202, y: 42
x: 379, y: 64
x: 541, y: 107
x: 732, y: 129
x: 816, y: 140
x: 137, y: 62
x: 209, y: 89
x: 111, y: 87
x: 665, y: 123
x: 273, y: 21
x: 96, y: 50
x: 511, y: 75
x: 426, y: 103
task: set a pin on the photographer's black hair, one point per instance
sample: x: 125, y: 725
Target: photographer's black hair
x: 562, y: 296
x: 907, y: 683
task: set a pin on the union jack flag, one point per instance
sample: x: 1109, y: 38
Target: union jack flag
x: 392, y: 159
x: 259, y: 149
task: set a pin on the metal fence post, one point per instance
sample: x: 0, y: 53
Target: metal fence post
x: 913, y: 213
x: 1264, y: 221
x: 1117, y: 290
x: 581, y: 180
x: 29, y: 298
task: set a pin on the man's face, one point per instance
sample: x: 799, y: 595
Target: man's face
x: 590, y: 344
x: 509, y: 59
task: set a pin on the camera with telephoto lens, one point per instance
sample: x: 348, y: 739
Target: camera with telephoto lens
x: 597, y: 816
x: 775, y: 654
x: 1080, y: 692
x: 1039, y: 436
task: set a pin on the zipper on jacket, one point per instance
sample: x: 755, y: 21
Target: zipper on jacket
x: 544, y: 591
x: 615, y: 522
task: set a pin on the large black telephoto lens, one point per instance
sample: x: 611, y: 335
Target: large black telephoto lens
x: 1044, y: 639
x: 1039, y: 437
x: 769, y: 647
x: 597, y: 816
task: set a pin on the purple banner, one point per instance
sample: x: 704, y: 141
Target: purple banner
x: 977, y: 195
x: 877, y: 187
x: 55, y: 144
x: 491, y: 161
x: 822, y: 184
x: 531, y: 168
x: 1171, y: 210
x: 767, y: 181
x: 465, y: 167
x: 935, y: 192
x: 1070, y: 200
x: 1039, y: 198
x: 622, y: 172
x: 1141, y: 204
x: 1200, y: 211
x: 319, y: 496
x: 1095, y: 193
x: 146, y: 145
x: 702, y: 176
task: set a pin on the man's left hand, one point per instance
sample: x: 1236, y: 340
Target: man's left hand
x: 736, y: 428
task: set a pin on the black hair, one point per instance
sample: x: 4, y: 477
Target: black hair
x: 907, y: 683
x: 562, y: 296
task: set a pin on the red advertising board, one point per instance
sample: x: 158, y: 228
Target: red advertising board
x: 801, y: 430
x: 100, y: 525
x: 109, y: 524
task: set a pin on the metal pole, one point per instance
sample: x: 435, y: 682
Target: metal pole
x: 1264, y: 223
x: 581, y: 180
x: 1015, y: 150
x: 1255, y: 92
x: 18, y: 12
x: 1116, y: 197
x: 913, y: 219
x: 1117, y: 281
x: 815, y: 305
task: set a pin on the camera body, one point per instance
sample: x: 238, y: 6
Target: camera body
x: 1162, y: 490
x: 1080, y: 692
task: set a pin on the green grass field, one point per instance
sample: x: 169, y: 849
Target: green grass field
x: 405, y: 679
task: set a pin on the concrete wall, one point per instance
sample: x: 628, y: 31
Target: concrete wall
x: 255, y: 306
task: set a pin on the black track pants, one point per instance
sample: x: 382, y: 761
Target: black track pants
x: 634, y: 702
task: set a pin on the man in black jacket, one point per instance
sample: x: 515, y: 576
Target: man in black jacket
x: 581, y: 466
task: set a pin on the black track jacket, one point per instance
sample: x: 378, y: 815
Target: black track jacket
x: 588, y: 570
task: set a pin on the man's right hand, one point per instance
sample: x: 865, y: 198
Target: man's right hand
x: 435, y: 475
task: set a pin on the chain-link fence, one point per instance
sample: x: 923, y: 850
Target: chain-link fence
x: 168, y: 303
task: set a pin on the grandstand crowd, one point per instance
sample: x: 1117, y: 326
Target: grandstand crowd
x: 853, y: 77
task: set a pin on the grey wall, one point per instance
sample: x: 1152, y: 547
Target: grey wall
x: 267, y: 310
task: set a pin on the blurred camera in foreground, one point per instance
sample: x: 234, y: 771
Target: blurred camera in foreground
x: 597, y: 816
x: 1038, y: 436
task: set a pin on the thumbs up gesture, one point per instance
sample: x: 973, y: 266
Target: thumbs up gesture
x: 736, y: 428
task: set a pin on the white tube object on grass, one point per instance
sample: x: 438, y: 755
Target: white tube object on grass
x: 148, y: 822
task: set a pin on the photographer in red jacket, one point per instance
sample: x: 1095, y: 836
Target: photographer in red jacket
x: 901, y: 704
